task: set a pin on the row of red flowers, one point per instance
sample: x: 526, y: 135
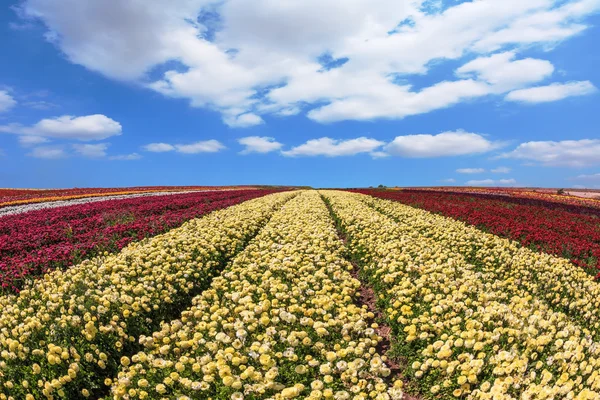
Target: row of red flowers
x: 565, y: 230
x: 23, y: 194
x: 38, y: 241
x: 10, y: 197
x: 544, y: 194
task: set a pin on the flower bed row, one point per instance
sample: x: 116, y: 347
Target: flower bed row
x: 566, y: 231
x: 20, y: 209
x: 463, y: 330
x: 517, y: 198
x: 16, y: 195
x: 39, y: 241
x: 9, y: 197
x: 279, y: 323
x: 540, y: 194
x: 64, y: 335
x: 565, y: 287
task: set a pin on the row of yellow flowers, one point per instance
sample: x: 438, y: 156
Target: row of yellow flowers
x: 280, y: 322
x: 62, y: 336
x: 564, y: 286
x: 465, y: 331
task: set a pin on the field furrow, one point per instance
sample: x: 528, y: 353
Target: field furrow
x: 280, y: 322
x: 461, y: 331
x: 64, y: 334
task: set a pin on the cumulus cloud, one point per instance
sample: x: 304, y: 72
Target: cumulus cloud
x: 91, y: 150
x: 492, y: 182
x: 470, y: 170
x: 552, y: 92
x: 501, y: 170
x: 29, y: 140
x: 334, y: 148
x: 566, y: 153
x: 243, y: 121
x: 260, y: 58
x: 6, y: 101
x: 48, y: 152
x: 258, y: 144
x: 206, y: 146
x: 380, y: 98
x: 158, y: 147
x: 455, y: 143
x: 379, y: 154
x: 126, y: 157
x: 503, y: 73
x: 85, y: 128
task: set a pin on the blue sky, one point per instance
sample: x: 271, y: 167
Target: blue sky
x: 368, y: 92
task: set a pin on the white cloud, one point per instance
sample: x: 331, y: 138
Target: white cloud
x: 334, y: 148
x: 567, y: 153
x: 126, y: 157
x: 48, y: 152
x: 262, y: 57
x: 6, y: 101
x: 492, y: 182
x: 455, y: 143
x: 159, y: 147
x: 40, y: 105
x: 552, y: 92
x: 501, y: 170
x: 243, y: 121
x: 257, y: 144
x: 207, y: 146
x: 28, y: 140
x: 135, y: 35
x: 379, y: 98
x: 379, y: 154
x: 548, y: 26
x: 89, y: 127
x: 449, y: 180
x: 91, y: 150
x: 470, y: 170
x: 503, y: 73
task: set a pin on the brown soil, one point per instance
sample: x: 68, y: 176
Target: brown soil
x: 366, y: 297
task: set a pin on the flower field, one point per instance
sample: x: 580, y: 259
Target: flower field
x: 544, y: 195
x: 305, y: 295
x: 38, y: 241
x: 565, y: 230
x: 12, y: 197
x: 69, y: 330
x: 466, y: 323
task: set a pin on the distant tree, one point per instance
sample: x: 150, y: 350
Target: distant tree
x: 560, y: 191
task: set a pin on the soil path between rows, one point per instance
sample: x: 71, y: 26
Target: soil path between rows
x: 368, y: 298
